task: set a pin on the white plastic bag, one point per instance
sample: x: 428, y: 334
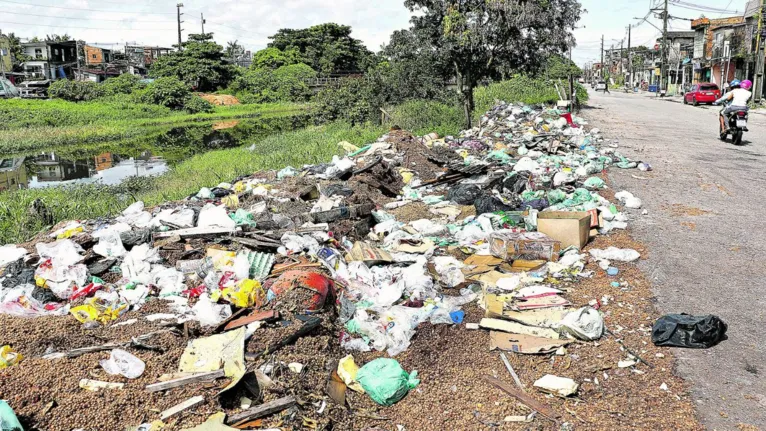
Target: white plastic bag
x: 428, y: 228
x: 584, y: 324
x: 109, y: 244
x: 209, y: 313
x: 449, y: 270
x: 614, y: 253
x: 215, y: 216
x: 10, y: 253
x: 123, y: 363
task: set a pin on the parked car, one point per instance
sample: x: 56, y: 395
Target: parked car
x: 704, y: 92
x: 601, y: 86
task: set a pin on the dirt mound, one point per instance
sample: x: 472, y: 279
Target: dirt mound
x: 220, y: 99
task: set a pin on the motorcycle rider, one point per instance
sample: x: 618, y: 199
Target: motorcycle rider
x: 739, y: 96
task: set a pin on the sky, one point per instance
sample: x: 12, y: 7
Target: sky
x: 611, y: 18
x: 112, y: 23
x: 147, y: 22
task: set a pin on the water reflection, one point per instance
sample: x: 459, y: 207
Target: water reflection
x: 149, y: 155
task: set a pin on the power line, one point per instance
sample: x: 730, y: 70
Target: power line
x: 82, y: 19
x: 88, y: 10
x: 698, y: 7
x: 83, y: 28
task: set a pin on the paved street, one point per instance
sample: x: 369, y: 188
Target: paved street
x: 706, y: 232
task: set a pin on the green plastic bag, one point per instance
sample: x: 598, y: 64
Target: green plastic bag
x: 594, y: 183
x: 242, y: 218
x: 385, y: 381
x: 556, y: 196
x: 8, y: 420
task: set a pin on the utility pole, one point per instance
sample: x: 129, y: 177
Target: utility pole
x: 571, y: 84
x: 202, y: 20
x: 178, y: 8
x: 622, y: 55
x: 664, y: 64
x: 759, y: 62
x: 630, y: 61
x: 602, y: 57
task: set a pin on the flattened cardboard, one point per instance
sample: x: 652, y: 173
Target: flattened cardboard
x: 525, y: 246
x: 524, y: 344
x: 518, y: 328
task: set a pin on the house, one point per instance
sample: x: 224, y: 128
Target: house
x: 13, y: 174
x: 96, y: 56
x: 680, y: 51
x: 140, y: 58
x: 720, y: 48
x: 50, y: 60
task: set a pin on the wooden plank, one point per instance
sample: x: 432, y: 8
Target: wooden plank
x: 194, y: 232
x: 263, y: 410
x: 512, y: 371
x: 524, y: 398
x: 178, y: 408
x: 183, y: 381
x: 255, y: 317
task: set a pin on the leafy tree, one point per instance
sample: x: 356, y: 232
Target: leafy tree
x: 126, y: 83
x: 327, y: 48
x: 274, y: 58
x: 560, y: 67
x: 286, y: 83
x: 200, y: 64
x: 195, y: 104
x: 17, y: 52
x: 57, y: 38
x: 74, y: 91
x: 167, y: 91
x: 352, y: 99
x: 234, y: 49
x: 483, y: 39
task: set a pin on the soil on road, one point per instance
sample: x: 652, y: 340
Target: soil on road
x: 705, y: 231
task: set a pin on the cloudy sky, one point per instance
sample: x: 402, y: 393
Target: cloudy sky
x: 114, y: 22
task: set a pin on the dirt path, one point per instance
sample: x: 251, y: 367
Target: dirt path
x: 705, y: 232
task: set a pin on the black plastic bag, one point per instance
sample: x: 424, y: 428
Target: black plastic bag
x: 685, y: 330
x: 490, y: 204
x: 337, y: 190
x: 464, y: 194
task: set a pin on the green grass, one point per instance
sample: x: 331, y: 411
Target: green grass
x: 85, y: 129
x: 307, y: 146
x: 422, y: 117
x: 531, y: 91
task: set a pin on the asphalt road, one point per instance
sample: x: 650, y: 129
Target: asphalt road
x: 706, y: 232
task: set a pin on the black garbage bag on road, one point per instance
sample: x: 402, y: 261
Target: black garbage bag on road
x: 685, y: 330
x: 464, y: 194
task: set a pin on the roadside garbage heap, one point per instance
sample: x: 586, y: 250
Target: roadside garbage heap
x: 502, y: 213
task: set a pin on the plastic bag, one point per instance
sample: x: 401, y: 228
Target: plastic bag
x: 594, y: 183
x: 109, y: 244
x: 215, y: 216
x: 684, y: 330
x: 347, y: 371
x: 428, y: 228
x: 464, y: 194
x: 449, y: 270
x: 584, y: 324
x: 208, y: 313
x: 8, y: 419
x: 614, y: 253
x: 10, y: 253
x: 123, y: 363
x: 385, y: 381
x: 8, y: 357
x: 287, y: 172
x: 628, y: 200
x: 98, y: 310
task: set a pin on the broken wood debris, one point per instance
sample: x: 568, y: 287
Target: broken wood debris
x: 262, y: 410
x: 524, y: 398
x: 179, y: 408
x: 183, y: 381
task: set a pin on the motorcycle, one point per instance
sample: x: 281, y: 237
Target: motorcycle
x: 737, y: 124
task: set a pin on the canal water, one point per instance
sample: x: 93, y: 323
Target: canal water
x: 150, y: 155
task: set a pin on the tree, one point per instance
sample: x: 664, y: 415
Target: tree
x: 274, y: 58
x: 57, y: 38
x: 287, y: 83
x: 483, y: 39
x: 327, y: 48
x: 234, y: 49
x: 560, y: 67
x: 17, y: 52
x: 200, y: 64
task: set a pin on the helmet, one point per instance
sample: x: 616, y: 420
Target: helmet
x: 735, y: 83
x: 746, y: 84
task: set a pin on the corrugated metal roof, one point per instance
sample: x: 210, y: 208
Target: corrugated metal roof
x: 752, y: 8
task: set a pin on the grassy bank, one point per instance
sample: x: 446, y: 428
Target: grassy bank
x: 53, y: 127
x: 311, y: 145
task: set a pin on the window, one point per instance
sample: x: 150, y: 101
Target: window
x: 694, y: 87
x: 38, y: 53
x: 56, y: 51
x: 708, y: 87
x: 94, y: 56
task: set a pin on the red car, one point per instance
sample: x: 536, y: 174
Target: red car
x: 704, y: 92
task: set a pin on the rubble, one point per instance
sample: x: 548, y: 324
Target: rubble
x: 338, y: 262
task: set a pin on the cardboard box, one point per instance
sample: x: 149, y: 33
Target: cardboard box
x: 570, y: 228
x: 524, y: 246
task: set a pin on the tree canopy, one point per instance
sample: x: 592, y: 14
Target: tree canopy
x: 274, y: 58
x: 485, y: 39
x: 326, y: 48
x: 200, y: 64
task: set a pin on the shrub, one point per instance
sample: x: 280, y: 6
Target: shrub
x: 354, y: 100
x: 521, y: 88
x: 285, y: 84
x: 195, y: 104
x: 124, y: 84
x: 74, y: 91
x: 168, y: 91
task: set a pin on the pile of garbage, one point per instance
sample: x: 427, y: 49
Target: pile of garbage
x: 404, y: 231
